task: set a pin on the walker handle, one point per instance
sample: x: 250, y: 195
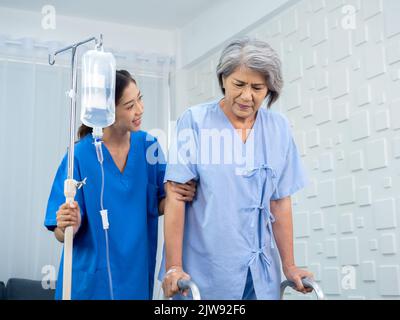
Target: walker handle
x: 184, y: 284
x: 307, y: 283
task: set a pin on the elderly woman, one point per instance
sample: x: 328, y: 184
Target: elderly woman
x: 234, y: 236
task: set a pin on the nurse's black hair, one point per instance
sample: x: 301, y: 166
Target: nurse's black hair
x: 122, y: 80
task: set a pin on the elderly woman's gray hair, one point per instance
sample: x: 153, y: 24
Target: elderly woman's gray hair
x: 257, y: 56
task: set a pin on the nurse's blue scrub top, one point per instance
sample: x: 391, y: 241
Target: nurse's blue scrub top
x: 131, y: 199
x: 228, y: 226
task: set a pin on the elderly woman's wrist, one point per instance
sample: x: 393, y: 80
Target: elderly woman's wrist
x: 177, y: 267
x: 287, y: 266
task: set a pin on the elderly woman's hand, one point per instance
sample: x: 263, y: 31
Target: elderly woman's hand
x: 295, y: 275
x: 170, y: 282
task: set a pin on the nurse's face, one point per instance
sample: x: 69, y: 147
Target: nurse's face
x: 245, y: 91
x: 129, y: 110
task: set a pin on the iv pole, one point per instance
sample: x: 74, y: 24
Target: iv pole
x: 70, y: 185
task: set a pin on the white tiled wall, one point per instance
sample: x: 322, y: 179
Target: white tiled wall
x: 342, y: 96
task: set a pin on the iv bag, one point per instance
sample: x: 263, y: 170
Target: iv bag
x: 98, y: 89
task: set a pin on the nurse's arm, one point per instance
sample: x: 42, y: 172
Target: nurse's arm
x: 182, y: 191
x: 161, y: 207
x: 174, y: 219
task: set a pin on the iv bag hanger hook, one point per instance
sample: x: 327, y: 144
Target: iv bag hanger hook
x: 98, y: 41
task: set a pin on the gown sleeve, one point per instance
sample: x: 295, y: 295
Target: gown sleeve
x: 183, y: 152
x: 57, y: 197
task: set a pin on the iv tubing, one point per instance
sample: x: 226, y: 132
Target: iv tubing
x: 97, y: 135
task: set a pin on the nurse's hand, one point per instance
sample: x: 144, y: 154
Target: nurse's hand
x: 184, y: 191
x: 295, y: 274
x: 69, y: 215
x: 170, y: 283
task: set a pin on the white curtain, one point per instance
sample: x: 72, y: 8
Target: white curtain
x: 34, y: 136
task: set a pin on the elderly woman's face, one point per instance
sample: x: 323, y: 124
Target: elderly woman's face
x: 245, y: 91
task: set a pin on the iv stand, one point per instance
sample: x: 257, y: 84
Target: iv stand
x: 70, y: 185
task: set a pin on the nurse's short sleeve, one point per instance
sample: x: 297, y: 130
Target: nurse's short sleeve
x: 57, y: 196
x: 161, y: 167
x: 156, y: 164
x: 183, y: 152
x: 292, y: 177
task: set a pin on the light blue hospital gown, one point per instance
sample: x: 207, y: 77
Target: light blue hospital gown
x: 228, y: 226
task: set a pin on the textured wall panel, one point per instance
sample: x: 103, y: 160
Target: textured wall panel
x: 326, y: 162
x: 395, y: 114
x: 327, y: 193
x: 293, y: 99
x: 319, y: 30
x: 291, y: 22
x: 349, y: 252
x: 364, y: 95
x: 331, y: 248
x: 322, y: 81
x: 302, y: 219
x: 382, y: 120
x: 340, y: 77
x: 360, y: 125
x: 347, y: 223
x: 385, y: 214
x: 342, y: 112
x: 387, y: 244
x: 345, y: 187
x: 364, y: 196
x: 375, y: 64
x: 315, y: 268
x: 389, y: 280
x: 356, y: 161
x: 396, y: 147
x: 310, y: 59
x: 301, y: 255
x: 393, y: 52
x: 331, y: 280
x: 377, y: 156
x: 312, y: 191
x: 300, y: 138
x: 392, y: 25
x: 368, y: 271
x: 343, y: 44
x: 313, y: 138
x: 295, y: 67
x: 372, y: 8
x: 317, y: 220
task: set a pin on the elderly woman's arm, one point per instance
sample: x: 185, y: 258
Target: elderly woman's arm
x: 174, y: 220
x: 283, y: 231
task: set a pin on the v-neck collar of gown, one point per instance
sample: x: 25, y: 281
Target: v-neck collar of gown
x: 252, y: 130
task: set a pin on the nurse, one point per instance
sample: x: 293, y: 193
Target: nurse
x: 236, y: 235
x: 134, y: 168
